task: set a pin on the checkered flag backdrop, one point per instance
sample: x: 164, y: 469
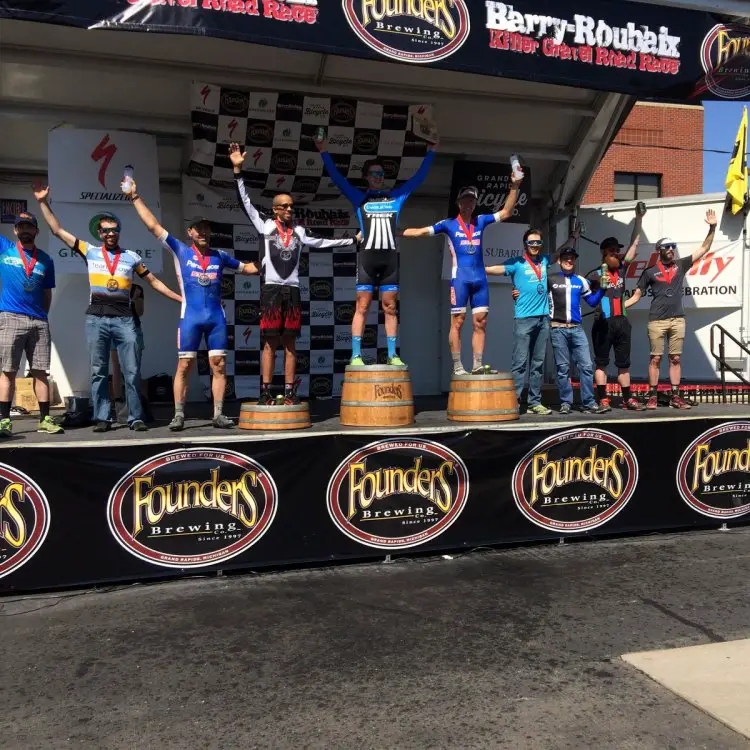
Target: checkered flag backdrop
x: 278, y: 131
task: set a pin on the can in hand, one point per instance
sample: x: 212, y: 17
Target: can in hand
x: 320, y: 133
x: 640, y: 208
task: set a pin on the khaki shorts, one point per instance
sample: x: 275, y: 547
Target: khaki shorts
x: 673, y: 328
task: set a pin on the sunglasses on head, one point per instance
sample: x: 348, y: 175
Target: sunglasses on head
x: 109, y: 230
x: 376, y: 173
x: 670, y: 246
x: 535, y: 243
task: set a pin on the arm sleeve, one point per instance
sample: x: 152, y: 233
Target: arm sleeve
x: 417, y: 179
x: 511, y: 265
x: 354, y: 196
x: 486, y: 219
x: 249, y: 209
x: 229, y: 261
x: 438, y: 228
x: 686, y: 263
x: 49, y: 276
x: 592, y: 298
x: 5, y: 244
x: 170, y: 242
x: 644, y: 282
x: 322, y: 243
x: 81, y: 248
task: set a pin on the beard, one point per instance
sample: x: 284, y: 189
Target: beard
x: 25, y: 237
x: 612, y: 262
x: 666, y: 256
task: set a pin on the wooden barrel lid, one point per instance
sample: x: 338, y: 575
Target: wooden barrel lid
x: 497, y: 376
x: 272, y: 408
x: 388, y: 404
x: 376, y: 368
x: 481, y: 412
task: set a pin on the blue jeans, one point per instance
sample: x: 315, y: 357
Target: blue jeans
x: 102, y: 334
x: 571, y: 344
x: 530, y: 337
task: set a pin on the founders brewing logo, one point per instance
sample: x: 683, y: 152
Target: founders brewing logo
x: 713, y: 475
x: 395, y: 494
x: 24, y: 519
x: 410, y: 30
x: 724, y: 56
x: 191, y: 508
x: 575, y: 480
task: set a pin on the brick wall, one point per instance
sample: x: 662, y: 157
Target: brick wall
x: 652, y: 125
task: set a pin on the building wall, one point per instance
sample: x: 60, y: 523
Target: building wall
x: 649, y: 126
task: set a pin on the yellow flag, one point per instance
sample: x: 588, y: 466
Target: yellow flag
x: 736, y: 182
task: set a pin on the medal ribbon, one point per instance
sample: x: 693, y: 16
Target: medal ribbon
x: 286, y: 235
x: 111, y: 267
x: 202, y: 259
x: 667, y: 275
x: 468, y: 232
x: 28, y: 266
x: 536, y: 266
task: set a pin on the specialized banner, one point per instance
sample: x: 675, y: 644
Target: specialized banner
x: 649, y: 51
x: 77, y: 517
x: 85, y: 171
x: 500, y: 241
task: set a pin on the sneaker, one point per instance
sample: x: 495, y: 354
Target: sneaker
x: 652, y: 402
x: 48, y: 425
x: 357, y: 362
x: 177, y: 423
x: 540, y: 409
x: 593, y: 409
x: 566, y: 409
x: 460, y: 371
x: 633, y: 404
x: 605, y: 405
x: 102, y: 427
x: 222, y: 422
x: 677, y: 402
x: 138, y: 425
x: 483, y: 370
x: 266, y: 399
x: 396, y: 361
x: 6, y: 428
x: 292, y: 399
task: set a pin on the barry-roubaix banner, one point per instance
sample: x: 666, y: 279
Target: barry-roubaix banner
x: 276, y: 131
x: 651, y: 51
x: 72, y: 517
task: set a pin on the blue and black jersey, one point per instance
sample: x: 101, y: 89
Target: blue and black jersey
x: 565, y: 294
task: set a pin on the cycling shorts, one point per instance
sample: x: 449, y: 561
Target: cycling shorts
x: 377, y: 268
x: 468, y: 290
x: 280, y: 310
x: 212, y: 324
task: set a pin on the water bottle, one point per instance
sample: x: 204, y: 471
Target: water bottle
x: 127, y: 179
x: 320, y: 134
x: 605, y: 275
x: 515, y: 165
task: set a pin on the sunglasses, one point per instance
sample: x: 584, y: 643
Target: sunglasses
x: 535, y: 243
x: 284, y: 205
x: 671, y: 246
x: 376, y: 173
x: 110, y: 230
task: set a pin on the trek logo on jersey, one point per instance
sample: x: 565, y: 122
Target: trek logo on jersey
x: 410, y: 30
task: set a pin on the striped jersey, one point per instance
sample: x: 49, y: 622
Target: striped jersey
x: 613, y: 295
x: 110, y: 292
x: 565, y: 294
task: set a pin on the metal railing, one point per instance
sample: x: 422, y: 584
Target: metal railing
x: 721, y: 357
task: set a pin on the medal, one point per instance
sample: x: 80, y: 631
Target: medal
x: 469, y: 235
x: 203, y: 278
x: 28, y: 266
x: 540, y: 288
x: 112, y: 284
x: 670, y: 292
x: 667, y: 276
x: 537, y: 268
x: 284, y: 234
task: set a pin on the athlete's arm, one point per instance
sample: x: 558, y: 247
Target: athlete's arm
x: 354, y: 196
x: 136, y: 297
x: 643, y: 284
x: 706, y: 246
x: 593, y: 298
x: 571, y: 242
x: 495, y: 270
x: 633, y: 299
x: 417, y: 178
x: 510, y: 202
x: 47, y: 299
x: 159, y: 286
x: 423, y: 232
x: 237, y: 156
x: 145, y: 214
x: 248, y: 269
x: 41, y: 193
x: 322, y: 243
x: 635, y: 238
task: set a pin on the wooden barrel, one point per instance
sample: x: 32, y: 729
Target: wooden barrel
x: 272, y: 418
x: 377, y: 396
x: 482, y: 398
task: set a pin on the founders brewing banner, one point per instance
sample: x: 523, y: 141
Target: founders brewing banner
x: 649, y: 51
x: 70, y: 517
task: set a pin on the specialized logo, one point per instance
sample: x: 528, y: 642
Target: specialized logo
x: 24, y: 519
x: 395, y: 494
x: 410, y: 30
x: 575, y: 480
x: 724, y: 56
x: 104, y: 152
x: 205, y: 91
x: 192, y: 508
x: 713, y: 475
x: 232, y: 125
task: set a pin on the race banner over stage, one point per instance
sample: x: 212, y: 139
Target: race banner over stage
x: 649, y: 51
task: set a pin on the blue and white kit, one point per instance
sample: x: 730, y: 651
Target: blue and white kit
x: 202, y: 312
x: 566, y: 290
x: 468, y: 279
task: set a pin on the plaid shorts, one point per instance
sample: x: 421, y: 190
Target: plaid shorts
x: 21, y: 334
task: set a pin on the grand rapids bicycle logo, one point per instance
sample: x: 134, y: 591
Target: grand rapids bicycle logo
x: 575, y: 480
x: 395, y: 494
x: 192, y: 508
x: 24, y: 519
x: 410, y: 30
x: 713, y: 475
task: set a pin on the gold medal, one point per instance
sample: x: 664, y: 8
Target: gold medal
x: 112, y: 284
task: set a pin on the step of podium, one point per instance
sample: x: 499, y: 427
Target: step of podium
x: 377, y: 396
x: 483, y: 398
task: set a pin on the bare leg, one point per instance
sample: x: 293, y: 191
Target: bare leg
x: 654, y: 363
x: 7, y: 386
x: 454, y: 337
x: 184, y: 366
x: 270, y: 345
x: 290, y: 358
x: 41, y: 385
x: 623, y: 378
x: 390, y: 308
x: 479, y: 336
x: 675, y: 369
x: 218, y: 382
x: 360, y: 314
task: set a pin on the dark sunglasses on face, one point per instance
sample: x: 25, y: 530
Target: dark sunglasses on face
x: 668, y: 247
x: 535, y: 243
x: 376, y: 173
x: 109, y: 230
x: 284, y: 205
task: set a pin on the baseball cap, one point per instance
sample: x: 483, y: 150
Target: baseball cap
x: 665, y: 241
x: 25, y: 218
x: 468, y: 191
x: 198, y: 220
x: 610, y: 242
x: 569, y: 251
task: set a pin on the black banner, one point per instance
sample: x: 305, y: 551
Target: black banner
x: 70, y: 516
x: 649, y: 51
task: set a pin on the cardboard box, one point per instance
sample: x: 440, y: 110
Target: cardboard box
x: 26, y: 398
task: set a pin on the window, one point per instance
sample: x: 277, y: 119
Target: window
x: 632, y: 186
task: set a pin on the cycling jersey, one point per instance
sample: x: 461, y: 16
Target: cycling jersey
x: 468, y: 278
x: 202, y: 312
x: 531, y: 281
x: 565, y: 294
x: 612, y: 303
x: 377, y: 214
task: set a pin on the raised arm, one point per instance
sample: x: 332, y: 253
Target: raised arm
x: 354, y: 196
x: 144, y: 213
x: 41, y: 193
x: 706, y: 246
x: 423, y: 232
x: 159, y: 286
x: 571, y: 242
x: 418, y: 177
x: 237, y: 157
x: 322, y: 243
x: 635, y: 238
x: 510, y: 202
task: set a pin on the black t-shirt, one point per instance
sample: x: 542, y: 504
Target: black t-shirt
x: 667, y: 289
